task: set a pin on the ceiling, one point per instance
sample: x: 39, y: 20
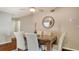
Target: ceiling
x: 24, y: 11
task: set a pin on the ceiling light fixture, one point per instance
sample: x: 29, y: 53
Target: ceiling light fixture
x: 32, y: 9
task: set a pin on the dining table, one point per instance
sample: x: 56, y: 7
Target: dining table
x: 47, y: 40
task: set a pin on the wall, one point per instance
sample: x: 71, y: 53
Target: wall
x: 5, y: 25
x: 66, y: 19
x: 16, y: 24
x: 27, y: 24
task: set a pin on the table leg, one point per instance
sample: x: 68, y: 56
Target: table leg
x: 49, y: 46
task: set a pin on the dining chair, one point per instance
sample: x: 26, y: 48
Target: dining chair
x: 58, y: 47
x: 39, y: 32
x: 20, y: 41
x: 48, y: 33
x: 32, y: 42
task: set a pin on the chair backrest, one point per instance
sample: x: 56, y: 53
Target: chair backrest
x: 47, y: 33
x: 60, y: 42
x: 39, y: 32
x: 20, y: 40
x: 32, y: 42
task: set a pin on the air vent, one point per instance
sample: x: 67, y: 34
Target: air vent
x: 52, y: 10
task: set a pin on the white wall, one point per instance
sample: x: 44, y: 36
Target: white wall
x: 5, y: 25
x: 27, y: 24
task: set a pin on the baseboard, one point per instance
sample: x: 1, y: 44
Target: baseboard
x: 70, y: 49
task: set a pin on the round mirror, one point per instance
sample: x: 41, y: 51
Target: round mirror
x: 48, y: 22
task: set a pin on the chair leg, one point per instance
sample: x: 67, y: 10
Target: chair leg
x: 43, y: 47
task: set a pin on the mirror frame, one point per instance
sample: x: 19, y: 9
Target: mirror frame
x: 52, y: 20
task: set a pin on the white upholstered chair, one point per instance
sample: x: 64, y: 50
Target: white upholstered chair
x: 32, y: 42
x: 20, y: 40
x: 58, y: 47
